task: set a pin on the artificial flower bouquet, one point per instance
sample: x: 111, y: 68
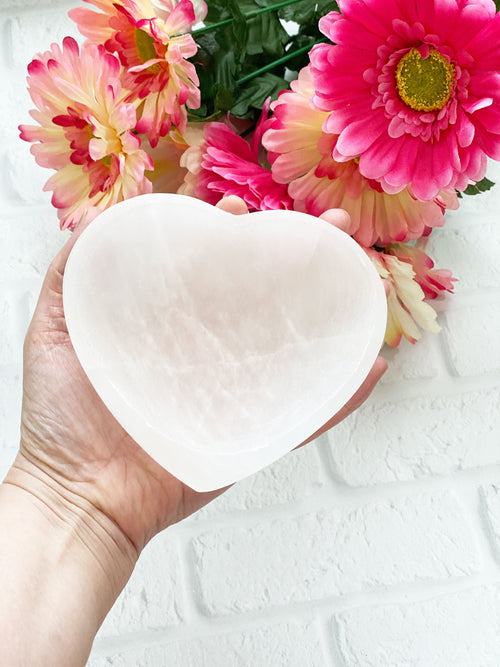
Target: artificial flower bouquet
x: 386, y: 108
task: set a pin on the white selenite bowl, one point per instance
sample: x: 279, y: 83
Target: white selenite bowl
x: 220, y: 342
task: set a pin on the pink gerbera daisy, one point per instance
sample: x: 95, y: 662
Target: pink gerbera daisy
x: 412, y: 89
x: 149, y: 38
x: 85, y: 131
x: 222, y: 163
x: 300, y: 152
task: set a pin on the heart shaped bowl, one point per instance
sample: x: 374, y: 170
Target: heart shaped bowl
x: 220, y: 342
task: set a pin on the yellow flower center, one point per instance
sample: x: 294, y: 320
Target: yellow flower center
x: 424, y: 84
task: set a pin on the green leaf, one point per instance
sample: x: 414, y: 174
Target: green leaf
x: 481, y: 186
x: 266, y: 35
x: 307, y: 13
x: 241, y: 42
x: 207, y: 44
x: 253, y: 94
x: 300, y: 42
x: 497, y: 5
x: 223, y: 99
x: 218, y: 10
x: 239, y: 27
x: 225, y: 68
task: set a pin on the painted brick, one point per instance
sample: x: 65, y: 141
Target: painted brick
x: 30, y: 240
x: 282, y: 645
x: 411, y: 362
x: 10, y: 345
x: 470, y: 251
x: 43, y: 29
x: 152, y: 599
x: 10, y: 414
x: 415, y: 438
x: 469, y: 242
x: 35, y: 4
x: 471, y: 335
x: 13, y: 93
x: 25, y: 178
x: 490, y: 500
x: 459, y: 630
x: 314, y: 556
x: 472, y: 208
x: 297, y: 475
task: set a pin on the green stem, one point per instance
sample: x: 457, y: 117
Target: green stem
x: 276, y: 63
x: 250, y: 15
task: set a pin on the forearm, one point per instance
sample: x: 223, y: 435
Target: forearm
x: 62, y: 566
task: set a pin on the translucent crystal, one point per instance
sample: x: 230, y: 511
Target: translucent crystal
x: 220, y: 342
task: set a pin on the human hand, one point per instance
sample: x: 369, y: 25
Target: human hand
x: 82, y: 498
x: 71, y: 441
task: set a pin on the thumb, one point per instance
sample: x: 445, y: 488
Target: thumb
x: 338, y: 218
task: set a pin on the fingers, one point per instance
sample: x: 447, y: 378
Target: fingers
x: 233, y: 204
x: 376, y: 372
x: 335, y: 216
x: 338, y: 218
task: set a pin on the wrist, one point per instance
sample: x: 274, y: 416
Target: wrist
x: 63, y: 567
x: 75, y: 521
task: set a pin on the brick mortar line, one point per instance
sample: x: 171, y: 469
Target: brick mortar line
x: 458, y: 480
x: 335, y: 639
x: 345, y: 499
x: 188, y: 582
x: 445, y: 358
x: 472, y: 506
x: 329, y: 641
x: 482, y: 510
x: 457, y: 221
x: 434, y: 388
x: 12, y: 11
x: 323, y: 610
x: 466, y: 299
x: 204, y: 627
x: 322, y: 451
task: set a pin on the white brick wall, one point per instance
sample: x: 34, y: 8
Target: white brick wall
x: 461, y: 629
x: 376, y: 546
x: 331, y: 553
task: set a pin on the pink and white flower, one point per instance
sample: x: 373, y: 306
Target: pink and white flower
x: 85, y: 131
x: 409, y: 273
x: 168, y: 174
x: 432, y: 281
x: 222, y: 163
x: 149, y: 37
x: 412, y: 89
x: 301, y: 154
